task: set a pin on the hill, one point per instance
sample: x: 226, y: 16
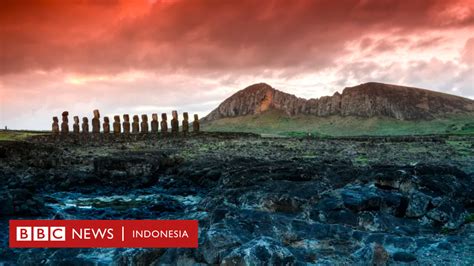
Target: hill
x: 366, y: 109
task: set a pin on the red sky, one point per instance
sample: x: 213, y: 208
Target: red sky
x: 134, y: 56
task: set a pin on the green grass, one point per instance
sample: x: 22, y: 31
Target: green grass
x: 361, y: 160
x: 467, y: 128
x: 276, y: 123
x: 300, y: 134
x: 11, y: 135
x: 446, y: 231
x: 461, y: 147
x: 469, y: 218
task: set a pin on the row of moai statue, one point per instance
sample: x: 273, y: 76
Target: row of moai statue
x: 135, y: 127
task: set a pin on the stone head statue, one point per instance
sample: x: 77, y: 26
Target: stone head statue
x: 96, y: 113
x: 85, y: 125
x: 55, y: 119
x: 196, y: 126
x: 144, y: 118
x: 185, y: 116
x: 154, y: 117
x: 65, y: 114
x: 135, y: 118
x: 174, y: 114
x: 76, y: 119
x: 163, y: 116
x: 126, y: 118
x: 106, y: 119
x: 117, y: 119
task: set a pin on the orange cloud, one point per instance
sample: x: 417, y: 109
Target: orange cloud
x: 119, y: 54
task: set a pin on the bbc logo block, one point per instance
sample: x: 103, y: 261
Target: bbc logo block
x: 41, y: 233
x: 103, y: 233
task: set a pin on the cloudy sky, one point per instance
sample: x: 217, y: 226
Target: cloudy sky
x: 142, y: 57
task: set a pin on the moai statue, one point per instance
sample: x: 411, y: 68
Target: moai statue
x: 196, y: 123
x: 117, y: 125
x: 174, y: 122
x: 185, y: 123
x: 154, y: 123
x: 64, y: 124
x: 126, y: 124
x: 164, y: 123
x: 55, y: 126
x: 106, y: 125
x: 85, y: 125
x: 96, y: 122
x: 144, y: 124
x: 75, y: 127
x: 135, y: 125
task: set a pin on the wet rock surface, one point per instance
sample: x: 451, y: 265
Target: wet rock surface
x: 258, y: 200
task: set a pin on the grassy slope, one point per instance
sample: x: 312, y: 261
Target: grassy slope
x: 275, y: 123
x: 10, y: 135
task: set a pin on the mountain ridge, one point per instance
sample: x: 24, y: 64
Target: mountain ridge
x: 368, y: 100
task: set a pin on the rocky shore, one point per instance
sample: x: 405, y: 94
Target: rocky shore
x: 258, y: 200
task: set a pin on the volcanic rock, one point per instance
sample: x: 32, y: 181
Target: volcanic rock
x: 365, y: 100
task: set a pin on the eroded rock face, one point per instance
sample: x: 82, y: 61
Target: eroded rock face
x: 374, y: 254
x: 418, y: 204
x: 264, y: 201
x: 20, y: 202
x: 133, y: 169
x: 263, y: 250
x: 365, y: 100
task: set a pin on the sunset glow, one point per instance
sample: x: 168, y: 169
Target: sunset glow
x: 154, y: 56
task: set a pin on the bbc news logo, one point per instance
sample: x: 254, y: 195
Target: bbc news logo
x: 41, y: 233
x: 103, y: 233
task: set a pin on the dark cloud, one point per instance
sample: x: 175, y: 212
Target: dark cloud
x: 204, y: 35
x: 125, y: 56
